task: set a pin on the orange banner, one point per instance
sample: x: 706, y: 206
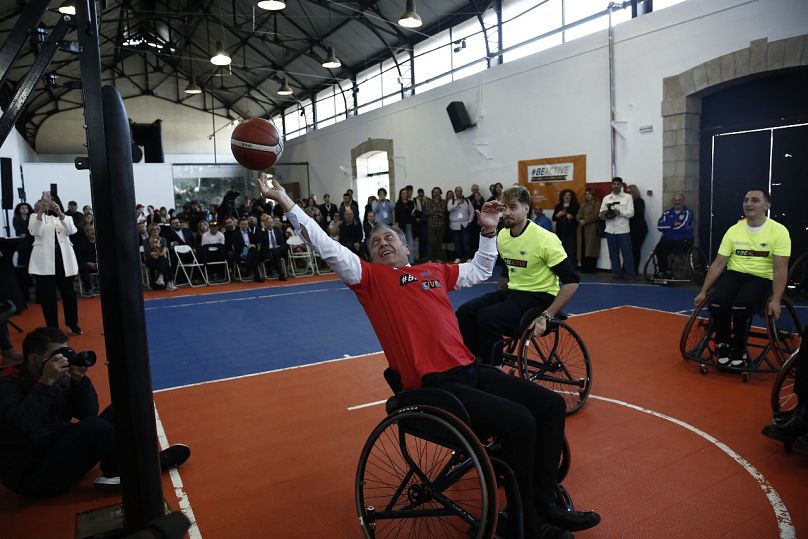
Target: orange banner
x: 545, y: 178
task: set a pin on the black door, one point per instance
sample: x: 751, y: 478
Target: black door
x: 790, y: 184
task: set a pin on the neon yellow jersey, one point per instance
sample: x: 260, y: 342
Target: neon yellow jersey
x: 529, y: 257
x: 754, y: 252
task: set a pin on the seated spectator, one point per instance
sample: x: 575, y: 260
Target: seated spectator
x: 156, y: 258
x: 245, y: 249
x: 201, y: 228
x: 177, y: 234
x: 252, y: 224
x: 272, y: 246
x: 43, y: 453
x: 333, y: 228
x: 676, y: 225
x: 350, y: 232
x: 88, y: 263
x: 142, y: 232
x: 212, y: 237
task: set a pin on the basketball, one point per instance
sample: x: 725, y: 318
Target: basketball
x: 256, y: 144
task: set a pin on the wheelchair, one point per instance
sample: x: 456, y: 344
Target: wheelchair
x: 772, y: 341
x: 424, y: 472
x: 783, y: 398
x: 685, y: 266
x: 557, y: 359
x: 797, y: 280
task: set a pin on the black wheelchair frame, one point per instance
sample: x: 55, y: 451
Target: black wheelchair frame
x: 797, y: 280
x: 557, y: 359
x: 774, y: 344
x: 686, y: 266
x: 424, y: 472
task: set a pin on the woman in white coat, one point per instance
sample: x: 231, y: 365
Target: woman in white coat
x: 53, y: 263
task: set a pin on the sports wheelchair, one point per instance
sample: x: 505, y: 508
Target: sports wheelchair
x: 685, y: 266
x: 773, y: 340
x: 424, y: 472
x: 557, y: 359
x: 783, y: 398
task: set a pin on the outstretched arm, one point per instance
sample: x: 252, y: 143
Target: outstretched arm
x: 340, y: 259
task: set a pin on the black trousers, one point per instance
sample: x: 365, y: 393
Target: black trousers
x: 161, y: 266
x: 71, y: 455
x: 46, y: 286
x: 736, y: 297
x: 484, y: 320
x: 276, y: 256
x: 529, y: 420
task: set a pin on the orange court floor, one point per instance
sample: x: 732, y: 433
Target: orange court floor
x: 660, y: 450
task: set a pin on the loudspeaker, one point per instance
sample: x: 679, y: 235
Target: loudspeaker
x: 459, y: 117
x: 6, y: 180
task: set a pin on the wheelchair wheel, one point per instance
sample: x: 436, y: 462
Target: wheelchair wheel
x: 797, y: 280
x: 698, y: 265
x: 557, y: 360
x: 695, y: 343
x: 784, y: 334
x: 783, y: 399
x: 651, y: 268
x: 423, y: 473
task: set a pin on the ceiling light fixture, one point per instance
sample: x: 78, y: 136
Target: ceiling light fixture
x: 331, y: 62
x: 410, y: 19
x: 221, y: 58
x: 272, y: 5
x: 285, y: 89
x: 193, y: 87
x: 67, y: 8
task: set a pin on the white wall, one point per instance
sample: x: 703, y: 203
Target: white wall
x: 19, y: 151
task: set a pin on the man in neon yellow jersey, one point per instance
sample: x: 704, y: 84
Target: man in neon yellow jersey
x: 755, y: 252
x: 539, y: 276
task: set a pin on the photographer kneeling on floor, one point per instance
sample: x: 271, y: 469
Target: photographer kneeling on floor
x: 42, y: 453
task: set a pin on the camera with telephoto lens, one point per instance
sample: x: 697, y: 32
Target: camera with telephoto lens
x: 84, y: 358
x: 610, y: 212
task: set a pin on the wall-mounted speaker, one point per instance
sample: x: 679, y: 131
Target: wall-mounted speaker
x: 150, y: 136
x: 459, y: 117
x: 6, y: 181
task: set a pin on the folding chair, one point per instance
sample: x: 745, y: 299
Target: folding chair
x: 220, y: 259
x: 265, y: 273
x: 318, y: 262
x: 189, y: 262
x: 299, y: 251
x: 93, y: 283
x: 238, y: 266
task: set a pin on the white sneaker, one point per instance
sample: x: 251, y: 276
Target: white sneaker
x: 160, y: 281
x: 108, y: 484
x: 171, y: 287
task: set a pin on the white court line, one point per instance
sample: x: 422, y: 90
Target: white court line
x: 345, y: 357
x: 781, y: 513
x: 176, y: 480
x: 245, y: 299
x: 217, y: 293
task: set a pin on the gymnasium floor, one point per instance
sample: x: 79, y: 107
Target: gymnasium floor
x: 264, y: 381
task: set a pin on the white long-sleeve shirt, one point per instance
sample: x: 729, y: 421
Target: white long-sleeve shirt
x: 619, y: 225
x: 460, y: 213
x: 347, y: 265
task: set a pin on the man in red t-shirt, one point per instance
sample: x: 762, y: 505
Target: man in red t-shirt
x: 410, y: 311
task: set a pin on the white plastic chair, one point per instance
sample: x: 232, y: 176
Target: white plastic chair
x: 193, y: 263
x: 299, y: 251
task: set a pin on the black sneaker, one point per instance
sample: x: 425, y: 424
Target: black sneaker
x: 570, y: 520
x: 174, y: 456
x: 739, y: 361
x: 723, y: 353
x: 75, y: 330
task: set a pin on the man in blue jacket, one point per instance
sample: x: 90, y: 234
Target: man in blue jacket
x: 676, y: 225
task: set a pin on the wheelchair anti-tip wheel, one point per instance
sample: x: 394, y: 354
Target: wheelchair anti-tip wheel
x: 557, y: 360
x: 423, y: 473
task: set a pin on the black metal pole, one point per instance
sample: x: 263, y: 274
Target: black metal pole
x: 112, y: 185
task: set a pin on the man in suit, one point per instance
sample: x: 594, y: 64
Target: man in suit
x: 252, y: 224
x: 177, y: 235
x: 245, y: 248
x: 272, y: 245
x: 327, y: 210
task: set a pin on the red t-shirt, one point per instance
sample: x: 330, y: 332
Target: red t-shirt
x: 414, y: 321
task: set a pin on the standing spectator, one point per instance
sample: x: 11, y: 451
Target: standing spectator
x: 327, y: 210
x: 460, y: 215
x: 676, y: 225
x: 368, y: 206
x: 195, y: 215
x: 312, y: 210
x: 496, y: 192
x: 22, y: 212
x: 566, y: 225
x: 422, y: 224
x: 347, y: 202
x: 87, y: 260
x: 22, y: 215
x: 405, y: 220
x: 617, y: 208
x: 53, y: 262
x: 383, y: 208
x: 370, y: 222
x: 637, y: 225
x: 476, y: 201
x: 350, y: 232
x: 74, y: 213
x: 436, y: 221
x: 588, y: 238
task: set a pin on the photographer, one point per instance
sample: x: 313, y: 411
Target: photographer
x: 619, y: 208
x: 42, y: 453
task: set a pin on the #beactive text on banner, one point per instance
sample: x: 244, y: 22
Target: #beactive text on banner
x: 554, y: 173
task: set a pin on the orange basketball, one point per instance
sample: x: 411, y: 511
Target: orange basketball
x: 256, y: 144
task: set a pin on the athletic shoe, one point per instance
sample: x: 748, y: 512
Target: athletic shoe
x: 108, y: 484
x: 174, y: 456
x: 171, y: 287
x: 160, y: 281
x: 739, y: 361
x: 75, y: 330
x: 570, y: 520
x: 723, y: 352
